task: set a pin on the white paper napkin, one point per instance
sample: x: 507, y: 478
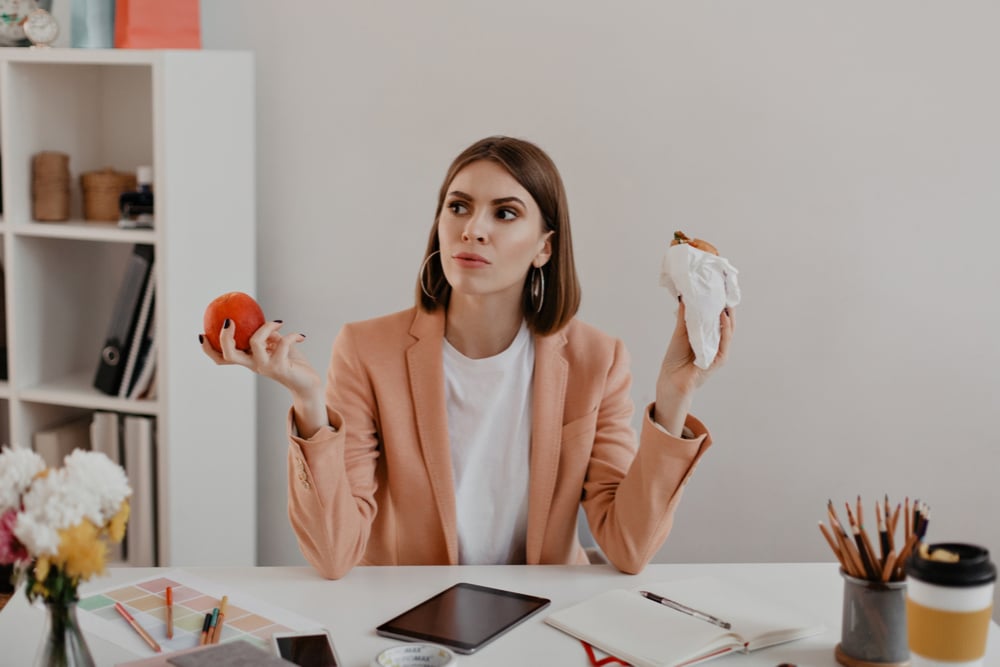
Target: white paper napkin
x: 708, y: 284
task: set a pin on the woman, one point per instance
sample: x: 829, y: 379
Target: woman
x: 470, y: 428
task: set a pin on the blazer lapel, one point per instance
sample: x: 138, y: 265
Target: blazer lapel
x: 548, y: 396
x: 426, y: 371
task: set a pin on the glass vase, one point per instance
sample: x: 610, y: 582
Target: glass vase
x: 63, y: 644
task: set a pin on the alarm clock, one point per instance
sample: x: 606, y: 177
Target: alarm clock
x: 40, y: 28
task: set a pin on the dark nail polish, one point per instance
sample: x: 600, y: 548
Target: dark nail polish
x: 225, y: 325
x: 279, y: 321
x: 201, y: 339
x: 726, y: 311
x: 679, y: 300
x: 303, y: 335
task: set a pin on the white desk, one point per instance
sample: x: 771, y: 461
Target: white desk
x: 354, y: 605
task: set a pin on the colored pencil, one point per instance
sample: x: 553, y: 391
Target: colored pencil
x: 217, y: 632
x: 138, y: 628
x: 170, y: 612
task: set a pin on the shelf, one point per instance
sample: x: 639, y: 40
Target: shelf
x: 84, y: 231
x: 189, y: 115
x: 77, y: 391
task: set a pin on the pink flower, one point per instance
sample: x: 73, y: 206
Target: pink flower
x: 11, y: 550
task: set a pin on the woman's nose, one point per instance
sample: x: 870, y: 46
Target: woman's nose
x: 475, y: 229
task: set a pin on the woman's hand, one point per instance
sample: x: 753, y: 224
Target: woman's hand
x: 679, y: 377
x: 277, y: 357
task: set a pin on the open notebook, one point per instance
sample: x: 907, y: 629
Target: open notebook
x: 647, y: 634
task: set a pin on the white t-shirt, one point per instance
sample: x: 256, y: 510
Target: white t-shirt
x: 489, y: 427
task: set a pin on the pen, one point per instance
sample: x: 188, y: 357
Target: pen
x: 211, y: 625
x: 687, y: 610
x: 170, y: 612
x: 204, y: 629
x: 138, y: 628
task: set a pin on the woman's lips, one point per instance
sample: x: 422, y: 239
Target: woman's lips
x: 470, y: 261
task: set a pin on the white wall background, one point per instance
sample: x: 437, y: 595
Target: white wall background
x: 844, y: 156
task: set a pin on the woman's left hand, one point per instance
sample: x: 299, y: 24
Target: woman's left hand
x: 679, y: 377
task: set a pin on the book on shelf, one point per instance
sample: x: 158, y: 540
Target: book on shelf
x: 125, y: 319
x: 139, y: 447
x: 138, y: 357
x: 646, y: 633
x: 105, y: 437
x: 56, y: 443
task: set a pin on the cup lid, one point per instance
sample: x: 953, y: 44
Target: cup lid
x: 973, y: 567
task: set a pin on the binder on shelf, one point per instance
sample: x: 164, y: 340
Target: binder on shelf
x: 142, y: 338
x: 124, y: 319
x: 139, y: 445
x: 56, y: 443
x: 143, y: 384
x: 105, y: 437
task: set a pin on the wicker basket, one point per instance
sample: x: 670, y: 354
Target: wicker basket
x: 50, y: 186
x: 101, y: 190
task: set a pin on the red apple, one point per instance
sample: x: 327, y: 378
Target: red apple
x: 245, y: 313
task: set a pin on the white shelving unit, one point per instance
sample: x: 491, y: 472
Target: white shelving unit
x: 189, y: 114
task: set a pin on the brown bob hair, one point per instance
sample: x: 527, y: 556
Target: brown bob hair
x: 534, y: 170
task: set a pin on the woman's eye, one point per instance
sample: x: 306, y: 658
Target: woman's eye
x: 506, y: 214
x: 457, y: 208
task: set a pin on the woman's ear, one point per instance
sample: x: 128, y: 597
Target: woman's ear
x: 545, y: 254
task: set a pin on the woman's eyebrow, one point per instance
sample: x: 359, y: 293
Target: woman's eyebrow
x: 496, y: 202
x: 504, y: 200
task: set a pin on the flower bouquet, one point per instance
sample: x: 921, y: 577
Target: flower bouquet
x: 55, y: 527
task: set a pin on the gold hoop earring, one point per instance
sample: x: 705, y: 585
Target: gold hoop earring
x: 537, y: 289
x: 423, y: 269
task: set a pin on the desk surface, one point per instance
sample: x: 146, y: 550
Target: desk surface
x: 351, y: 607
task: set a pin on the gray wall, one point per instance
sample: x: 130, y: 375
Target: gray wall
x: 844, y: 156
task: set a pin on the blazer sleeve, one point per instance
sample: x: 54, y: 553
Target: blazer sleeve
x: 630, y: 494
x: 331, y: 476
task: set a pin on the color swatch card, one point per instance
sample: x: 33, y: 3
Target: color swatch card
x: 246, y: 619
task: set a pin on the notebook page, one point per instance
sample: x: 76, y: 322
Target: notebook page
x: 760, y: 620
x: 646, y: 634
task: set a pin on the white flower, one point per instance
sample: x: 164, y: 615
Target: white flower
x: 37, y: 537
x: 99, y: 484
x: 17, y: 468
x: 52, y: 503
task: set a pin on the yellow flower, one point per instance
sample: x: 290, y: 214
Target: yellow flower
x: 41, y: 569
x: 116, y: 527
x: 81, y: 551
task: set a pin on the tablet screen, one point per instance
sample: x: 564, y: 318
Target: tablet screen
x: 464, y: 617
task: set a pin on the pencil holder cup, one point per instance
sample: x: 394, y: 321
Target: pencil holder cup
x: 873, y: 631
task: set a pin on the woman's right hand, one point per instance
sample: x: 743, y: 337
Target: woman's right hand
x: 277, y: 357
x: 271, y: 355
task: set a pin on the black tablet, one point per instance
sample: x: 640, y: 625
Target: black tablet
x: 465, y: 617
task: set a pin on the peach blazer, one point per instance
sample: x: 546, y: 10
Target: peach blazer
x: 376, y: 487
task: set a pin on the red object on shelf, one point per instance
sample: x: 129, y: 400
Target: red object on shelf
x: 155, y: 24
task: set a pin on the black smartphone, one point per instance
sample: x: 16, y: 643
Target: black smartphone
x: 306, y: 649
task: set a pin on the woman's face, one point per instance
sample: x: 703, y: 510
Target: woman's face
x: 491, y: 232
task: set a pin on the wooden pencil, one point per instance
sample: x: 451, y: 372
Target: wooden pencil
x: 890, y: 564
x: 892, y: 527
x: 217, y: 631
x: 869, y: 566
x: 834, y: 547
x: 870, y: 552
x: 907, y: 521
x: 857, y: 568
x: 847, y: 546
x: 904, y: 555
x: 883, y: 535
